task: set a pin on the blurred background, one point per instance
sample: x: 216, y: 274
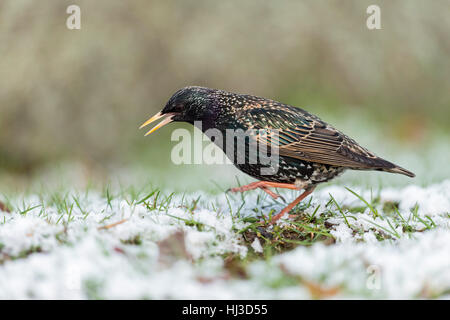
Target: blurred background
x: 74, y: 99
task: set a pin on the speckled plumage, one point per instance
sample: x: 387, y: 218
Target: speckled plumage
x: 311, y: 151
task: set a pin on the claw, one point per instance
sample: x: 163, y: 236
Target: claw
x: 234, y: 190
x: 265, y: 185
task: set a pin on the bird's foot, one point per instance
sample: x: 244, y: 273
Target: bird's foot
x: 266, y: 190
x: 248, y: 187
x: 264, y: 185
x: 288, y: 208
x: 272, y: 194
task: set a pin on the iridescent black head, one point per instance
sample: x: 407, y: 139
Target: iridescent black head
x: 189, y: 104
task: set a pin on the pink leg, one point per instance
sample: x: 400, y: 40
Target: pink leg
x: 265, y: 185
x: 306, y: 193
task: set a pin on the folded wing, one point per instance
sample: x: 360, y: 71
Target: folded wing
x: 306, y: 137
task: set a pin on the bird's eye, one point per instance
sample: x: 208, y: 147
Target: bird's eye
x: 178, y: 107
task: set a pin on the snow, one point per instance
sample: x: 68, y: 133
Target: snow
x: 256, y: 245
x: 50, y: 252
x: 405, y: 270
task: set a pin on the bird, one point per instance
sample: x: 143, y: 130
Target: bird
x: 309, y: 151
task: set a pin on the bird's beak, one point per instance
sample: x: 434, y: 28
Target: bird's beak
x: 157, y: 116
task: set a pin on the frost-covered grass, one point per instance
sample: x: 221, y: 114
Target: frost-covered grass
x: 148, y: 243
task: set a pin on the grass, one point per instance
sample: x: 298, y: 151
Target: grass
x: 65, y: 203
x: 306, y: 229
x: 129, y: 223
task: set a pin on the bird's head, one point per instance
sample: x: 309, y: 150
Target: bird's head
x: 188, y: 104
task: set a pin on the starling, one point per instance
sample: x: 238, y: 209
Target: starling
x: 309, y: 150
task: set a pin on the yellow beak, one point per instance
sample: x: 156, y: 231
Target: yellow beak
x: 157, y: 116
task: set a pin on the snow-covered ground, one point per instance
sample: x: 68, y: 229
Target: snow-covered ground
x: 90, y: 244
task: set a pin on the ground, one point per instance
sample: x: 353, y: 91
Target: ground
x: 149, y: 243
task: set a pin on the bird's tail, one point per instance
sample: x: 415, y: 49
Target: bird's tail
x: 400, y: 170
x: 381, y: 164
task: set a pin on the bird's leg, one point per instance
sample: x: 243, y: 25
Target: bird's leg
x: 305, y: 193
x: 271, y: 193
x: 265, y: 185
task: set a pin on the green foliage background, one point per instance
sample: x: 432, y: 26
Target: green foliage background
x: 80, y: 95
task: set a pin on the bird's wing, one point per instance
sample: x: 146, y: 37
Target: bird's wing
x: 306, y: 137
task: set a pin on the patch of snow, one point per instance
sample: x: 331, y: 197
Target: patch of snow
x: 256, y: 245
x: 48, y: 253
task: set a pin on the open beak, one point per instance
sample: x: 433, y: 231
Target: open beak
x: 158, y: 116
